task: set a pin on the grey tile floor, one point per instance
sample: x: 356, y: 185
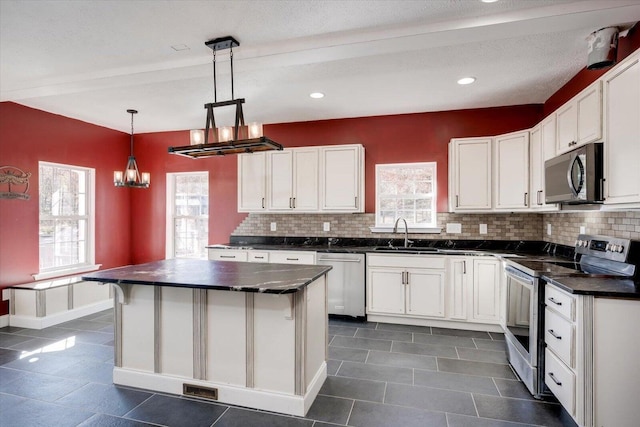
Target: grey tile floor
x: 379, y: 375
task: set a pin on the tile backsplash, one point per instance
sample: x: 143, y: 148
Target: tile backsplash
x: 500, y: 226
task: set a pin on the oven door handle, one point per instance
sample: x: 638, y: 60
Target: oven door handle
x: 515, y: 274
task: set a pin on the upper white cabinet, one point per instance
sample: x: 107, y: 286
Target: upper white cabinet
x: 511, y: 171
x: 342, y: 178
x: 292, y: 182
x: 470, y: 174
x: 542, y: 147
x: 579, y: 121
x: 306, y: 179
x: 622, y: 132
x: 252, y: 182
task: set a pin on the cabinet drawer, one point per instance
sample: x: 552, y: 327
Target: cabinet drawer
x: 559, y: 336
x: 406, y: 261
x: 255, y: 256
x: 289, y: 257
x: 560, y: 380
x: 227, y: 255
x: 560, y: 302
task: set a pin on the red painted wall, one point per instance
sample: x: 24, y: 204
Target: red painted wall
x: 626, y: 45
x: 28, y: 136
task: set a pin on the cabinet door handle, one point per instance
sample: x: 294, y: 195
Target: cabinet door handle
x: 464, y: 267
x: 553, y: 377
x: 457, y: 201
x: 258, y: 257
x: 290, y: 205
x: 553, y: 334
x: 263, y: 203
x: 525, y: 199
x: 294, y: 203
x: 538, y: 194
x: 228, y: 256
x: 293, y: 259
x: 407, y: 273
x: 554, y: 301
x: 355, y: 201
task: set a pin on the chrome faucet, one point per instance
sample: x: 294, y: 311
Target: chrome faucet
x: 406, y: 231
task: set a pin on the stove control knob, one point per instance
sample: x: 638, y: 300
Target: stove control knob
x: 620, y: 249
x: 608, y: 247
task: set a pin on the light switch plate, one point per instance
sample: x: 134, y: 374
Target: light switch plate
x: 454, y: 228
x: 326, y: 226
x: 583, y: 229
x: 274, y: 227
x: 483, y: 228
x: 548, y: 229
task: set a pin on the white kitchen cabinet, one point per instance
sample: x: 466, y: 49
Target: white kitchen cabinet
x: 470, y: 174
x: 292, y: 257
x: 511, y: 171
x: 579, y: 121
x: 622, y: 132
x: 459, y: 281
x: 487, y: 283
x: 292, y: 182
x: 342, y: 178
x: 542, y: 146
x: 228, y: 255
x: 406, y: 285
x: 252, y: 182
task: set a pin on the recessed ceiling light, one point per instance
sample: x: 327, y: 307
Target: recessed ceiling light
x: 488, y: 1
x: 316, y: 95
x: 179, y: 47
x: 466, y: 80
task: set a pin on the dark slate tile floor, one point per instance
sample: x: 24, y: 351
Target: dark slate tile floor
x: 380, y: 375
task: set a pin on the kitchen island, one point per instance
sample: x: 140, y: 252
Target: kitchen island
x: 247, y: 334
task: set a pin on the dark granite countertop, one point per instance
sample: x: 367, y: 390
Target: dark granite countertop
x: 598, y: 286
x: 221, y: 275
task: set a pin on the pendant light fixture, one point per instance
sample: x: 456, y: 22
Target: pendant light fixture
x: 131, y: 177
x: 225, y: 139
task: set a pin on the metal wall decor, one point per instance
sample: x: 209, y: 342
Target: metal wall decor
x: 14, y: 183
x: 238, y: 139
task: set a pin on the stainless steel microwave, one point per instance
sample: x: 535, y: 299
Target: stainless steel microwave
x: 575, y: 177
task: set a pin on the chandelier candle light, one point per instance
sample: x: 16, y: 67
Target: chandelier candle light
x: 218, y: 141
x: 131, y: 177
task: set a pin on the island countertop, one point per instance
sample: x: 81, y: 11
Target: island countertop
x: 220, y: 275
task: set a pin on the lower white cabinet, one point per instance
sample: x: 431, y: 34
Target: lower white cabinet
x: 292, y: 257
x: 487, y: 283
x: 406, y: 285
x: 228, y: 255
x: 440, y: 287
x: 274, y: 257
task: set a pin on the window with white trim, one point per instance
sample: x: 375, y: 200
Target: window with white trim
x: 187, y: 214
x: 406, y: 190
x: 66, y: 219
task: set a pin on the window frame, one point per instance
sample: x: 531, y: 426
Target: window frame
x: 413, y: 228
x: 170, y: 210
x: 89, y: 255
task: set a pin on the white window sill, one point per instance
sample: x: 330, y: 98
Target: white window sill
x: 66, y: 272
x: 400, y: 230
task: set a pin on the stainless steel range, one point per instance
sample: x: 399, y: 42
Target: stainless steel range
x: 524, y: 320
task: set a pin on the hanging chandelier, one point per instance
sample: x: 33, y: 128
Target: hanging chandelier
x: 217, y: 141
x: 131, y: 177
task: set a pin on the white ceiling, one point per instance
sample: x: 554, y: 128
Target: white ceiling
x: 92, y: 59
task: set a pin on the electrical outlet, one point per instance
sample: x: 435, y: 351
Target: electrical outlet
x: 274, y: 227
x: 583, y: 229
x: 483, y: 228
x: 454, y: 228
x: 548, y: 229
x: 326, y: 226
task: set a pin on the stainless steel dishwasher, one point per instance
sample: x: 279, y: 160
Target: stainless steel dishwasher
x: 345, y: 282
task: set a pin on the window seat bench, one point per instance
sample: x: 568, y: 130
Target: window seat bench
x: 38, y: 305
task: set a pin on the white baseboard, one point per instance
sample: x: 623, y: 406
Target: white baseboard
x: 4, y: 321
x: 234, y: 395
x: 33, y: 322
x: 451, y: 324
